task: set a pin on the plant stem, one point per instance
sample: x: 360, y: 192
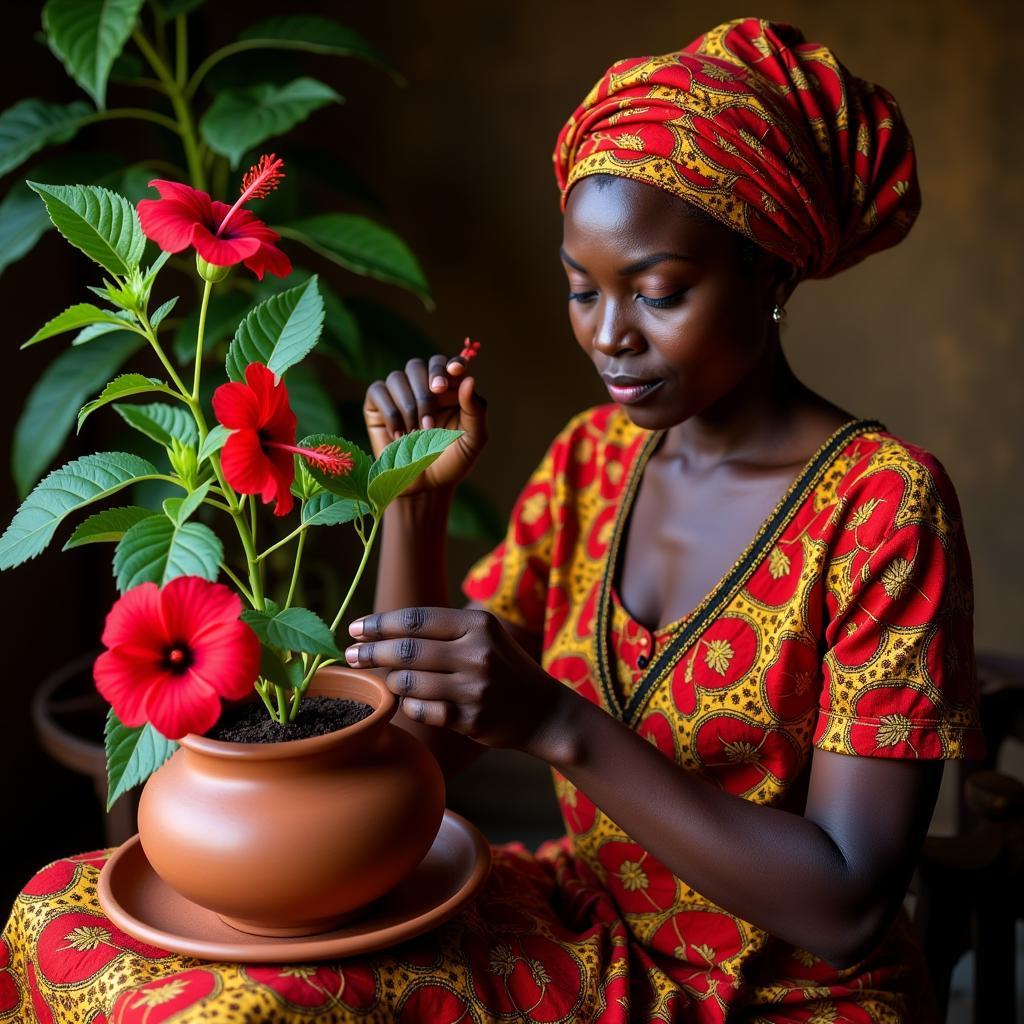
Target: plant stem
x: 134, y: 113
x: 295, y: 570
x: 255, y: 581
x: 199, y: 340
x: 252, y: 517
x: 151, y: 337
x: 298, y: 531
x: 180, y: 51
x: 262, y: 691
x: 238, y: 583
x: 282, y: 705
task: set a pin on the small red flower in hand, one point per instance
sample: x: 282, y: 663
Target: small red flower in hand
x: 257, y: 457
x: 222, y: 235
x: 174, y: 653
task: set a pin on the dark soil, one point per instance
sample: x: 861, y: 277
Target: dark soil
x: 250, y: 723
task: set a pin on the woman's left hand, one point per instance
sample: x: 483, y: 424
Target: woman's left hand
x: 459, y: 668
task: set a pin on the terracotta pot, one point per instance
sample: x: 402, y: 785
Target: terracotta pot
x: 294, y: 838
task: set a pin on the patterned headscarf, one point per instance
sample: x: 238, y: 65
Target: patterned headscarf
x: 767, y: 133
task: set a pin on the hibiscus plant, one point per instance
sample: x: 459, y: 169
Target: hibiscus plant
x: 178, y: 640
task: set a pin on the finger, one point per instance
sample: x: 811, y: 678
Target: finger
x: 416, y: 372
x: 427, y: 622
x: 438, y: 373
x: 420, y: 685
x: 441, y: 713
x: 473, y: 406
x: 378, y: 395
x: 406, y: 652
x: 401, y: 392
x: 456, y: 366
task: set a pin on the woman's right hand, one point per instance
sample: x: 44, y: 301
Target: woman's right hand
x: 438, y: 394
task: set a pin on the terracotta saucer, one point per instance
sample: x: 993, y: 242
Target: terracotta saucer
x: 135, y: 899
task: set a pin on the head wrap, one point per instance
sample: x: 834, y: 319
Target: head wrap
x: 767, y: 133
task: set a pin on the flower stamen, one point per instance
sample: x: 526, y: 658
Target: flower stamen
x: 328, y: 458
x: 259, y: 181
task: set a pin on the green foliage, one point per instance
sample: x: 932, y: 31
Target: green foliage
x: 313, y: 407
x: 125, y: 386
x: 403, y: 460
x: 75, y: 317
x: 241, y: 119
x: 314, y: 34
x: 326, y: 509
x: 293, y: 629
x: 161, y: 422
x: 133, y: 754
x: 109, y: 525
x: 65, y: 490
x: 101, y: 223
x: 213, y: 442
x: 156, y: 550
x: 31, y: 124
x: 353, y: 484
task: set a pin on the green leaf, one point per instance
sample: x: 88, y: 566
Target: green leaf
x: 95, y: 220
x: 180, y: 510
x: 326, y: 509
x: 363, y: 246
x: 239, y: 119
x: 53, y: 402
x: 293, y: 629
x: 65, y: 490
x: 133, y: 754
x: 88, y: 35
x: 93, y: 331
x: 125, y: 386
x: 156, y: 550
x: 279, y: 332
x: 161, y: 422
x: 350, y: 485
x: 222, y: 317
x: 313, y: 34
x: 175, y: 8
x: 311, y: 403
x: 213, y: 442
x: 109, y: 525
x: 80, y: 315
x: 286, y: 674
x: 162, y: 311
x: 31, y: 124
x: 403, y: 460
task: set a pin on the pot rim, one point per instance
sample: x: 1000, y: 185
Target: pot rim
x: 382, y: 713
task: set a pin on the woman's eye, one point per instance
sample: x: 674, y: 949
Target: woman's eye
x: 664, y: 302
x: 582, y: 296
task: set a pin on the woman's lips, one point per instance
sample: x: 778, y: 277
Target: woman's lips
x: 633, y: 393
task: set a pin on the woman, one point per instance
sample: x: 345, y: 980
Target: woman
x: 746, y: 749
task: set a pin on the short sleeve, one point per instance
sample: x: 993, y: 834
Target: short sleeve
x: 899, y: 676
x: 512, y: 581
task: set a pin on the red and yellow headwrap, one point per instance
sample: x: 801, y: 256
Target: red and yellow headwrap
x: 765, y: 132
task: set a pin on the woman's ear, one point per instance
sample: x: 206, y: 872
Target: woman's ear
x: 785, y: 278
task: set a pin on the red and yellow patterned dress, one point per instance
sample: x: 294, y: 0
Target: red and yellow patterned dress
x: 845, y: 625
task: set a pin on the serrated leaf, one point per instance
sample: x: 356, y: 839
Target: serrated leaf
x: 157, y: 550
x: 279, y: 332
x: 87, y: 36
x: 314, y: 410
x: 241, y: 119
x: 125, y: 386
x: 161, y: 311
x: 95, y: 220
x: 286, y: 674
x: 31, y: 124
x: 185, y: 507
x: 349, y: 485
x: 361, y: 245
x: 82, y: 314
x: 213, y: 442
x: 161, y: 422
x: 133, y: 754
x: 313, y: 34
x: 73, y: 486
x: 109, y: 525
x: 53, y: 402
x: 293, y: 629
x: 326, y: 509
x: 403, y: 460
x: 94, y: 331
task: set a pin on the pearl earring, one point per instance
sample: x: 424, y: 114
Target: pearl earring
x: 778, y: 314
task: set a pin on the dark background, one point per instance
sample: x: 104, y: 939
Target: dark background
x: 926, y: 337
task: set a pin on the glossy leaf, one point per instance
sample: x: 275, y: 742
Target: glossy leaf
x: 101, y: 223
x: 288, y: 675
x: 88, y: 35
x: 279, y: 332
x: 353, y: 484
x: 293, y: 629
x: 97, y: 330
x: 240, y: 119
x: 180, y: 510
x: 213, y: 442
x: 326, y: 509
x: 133, y: 754
x: 125, y: 386
x: 157, y: 550
x: 403, y: 460
x: 82, y: 314
x: 157, y: 316
x: 53, y: 403
x: 161, y: 422
x: 363, y: 246
x: 31, y: 124
x: 109, y: 525
x: 313, y: 34
x: 65, y: 490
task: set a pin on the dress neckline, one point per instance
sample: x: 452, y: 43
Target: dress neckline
x: 682, y: 632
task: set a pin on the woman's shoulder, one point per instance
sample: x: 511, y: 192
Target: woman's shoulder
x: 602, y: 424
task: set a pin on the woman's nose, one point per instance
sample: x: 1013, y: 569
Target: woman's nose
x: 614, y: 330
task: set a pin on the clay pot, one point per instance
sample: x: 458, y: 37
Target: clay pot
x: 295, y: 838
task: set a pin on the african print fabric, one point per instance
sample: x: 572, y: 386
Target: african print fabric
x: 845, y: 625
x: 768, y: 133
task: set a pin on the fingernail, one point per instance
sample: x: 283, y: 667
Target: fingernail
x: 356, y: 628
x: 352, y: 654
x: 428, y: 422
x: 438, y: 382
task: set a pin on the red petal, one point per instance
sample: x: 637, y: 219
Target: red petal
x: 123, y: 677
x: 177, y: 705
x: 195, y: 199
x: 245, y: 465
x: 135, y: 620
x: 236, y: 407
x: 223, y: 252
x: 243, y: 224
x: 191, y: 605
x: 268, y: 257
x: 279, y: 487
x: 171, y: 221
x: 228, y: 658
x: 277, y: 421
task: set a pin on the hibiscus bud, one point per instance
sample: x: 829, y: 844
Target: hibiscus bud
x: 185, y: 463
x: 210, y: 271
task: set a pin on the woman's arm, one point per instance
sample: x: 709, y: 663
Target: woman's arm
x: 829, y: 880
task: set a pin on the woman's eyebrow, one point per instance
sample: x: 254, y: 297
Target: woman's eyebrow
x: 645, y: 263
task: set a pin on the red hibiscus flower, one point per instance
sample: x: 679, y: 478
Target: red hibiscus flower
x: 222, y: 235
x: 257, y: 458
x: 174, y: 653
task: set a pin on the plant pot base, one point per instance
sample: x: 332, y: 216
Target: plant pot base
x: 327, y: 924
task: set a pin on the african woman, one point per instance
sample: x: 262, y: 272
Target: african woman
x: 734, y: 618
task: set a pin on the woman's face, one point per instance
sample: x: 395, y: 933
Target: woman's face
x: 661, y: 301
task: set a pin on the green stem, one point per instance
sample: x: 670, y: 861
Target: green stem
x: 238, y: 583
x: 134, y: 113
x: 295, y: 570
x: 252, y: 517
x: 151, y: 337
x: 282, y: 705
x: 255, y: 581
x: 297, y: 532
x: 199, y: 340
x: 180, y: 51
x: 262, y: 691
